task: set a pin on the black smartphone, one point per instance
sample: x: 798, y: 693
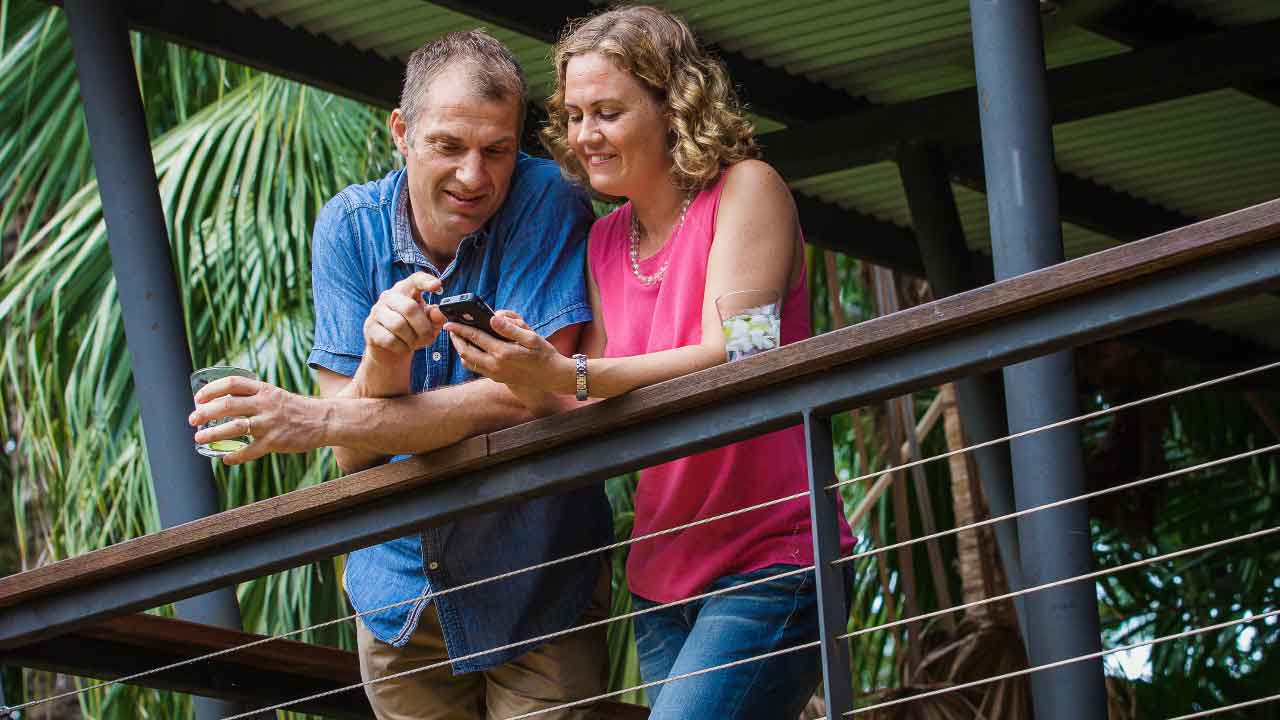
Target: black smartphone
x: 469, y: 309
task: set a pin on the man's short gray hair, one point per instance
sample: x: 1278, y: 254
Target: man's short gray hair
x: 494, y: 71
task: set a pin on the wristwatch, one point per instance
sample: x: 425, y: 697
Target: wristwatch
x: 580, y: 373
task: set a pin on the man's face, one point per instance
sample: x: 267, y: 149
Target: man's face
x: 460, y: 157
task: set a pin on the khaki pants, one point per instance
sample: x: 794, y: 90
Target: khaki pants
x: 570, y: 667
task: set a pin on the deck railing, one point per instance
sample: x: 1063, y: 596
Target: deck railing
x: 1102, y: 295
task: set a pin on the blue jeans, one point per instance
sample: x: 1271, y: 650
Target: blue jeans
x: 768, y: 616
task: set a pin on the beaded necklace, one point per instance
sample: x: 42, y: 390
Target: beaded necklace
x: 635, y: 246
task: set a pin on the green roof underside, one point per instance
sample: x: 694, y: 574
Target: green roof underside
x: 1192, y: 157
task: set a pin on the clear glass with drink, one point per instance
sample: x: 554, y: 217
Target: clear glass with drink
x: 751, y: 320
x: 203, y: 377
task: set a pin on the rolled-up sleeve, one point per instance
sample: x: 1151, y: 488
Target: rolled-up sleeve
x: 340, y: 291
x: 544, y: 261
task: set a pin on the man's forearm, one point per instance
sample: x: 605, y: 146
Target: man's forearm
x: 364, y: 430
x: 387, y: 378
x: 381, y: 378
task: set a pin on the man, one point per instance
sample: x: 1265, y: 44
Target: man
x: 469, y: 213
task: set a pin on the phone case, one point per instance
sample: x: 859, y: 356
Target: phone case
x: 468, y: 309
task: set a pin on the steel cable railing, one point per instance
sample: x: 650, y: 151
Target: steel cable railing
x: 1065, y: 501
x: 1069, y: 661
x: 530, y: 641
x: 701, y: 521
x: 673, y: 678
x: 425, y: 596
x: 965, y: 686
x: 883, y: 626
x: 1069, y: 421
x: 924, y: 616
x: 1067, y: 581
x: 1228, y: 708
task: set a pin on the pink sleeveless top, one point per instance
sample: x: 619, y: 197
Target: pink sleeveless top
x: 639, y: 319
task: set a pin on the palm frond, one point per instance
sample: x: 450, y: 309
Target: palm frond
x: 243, y: 172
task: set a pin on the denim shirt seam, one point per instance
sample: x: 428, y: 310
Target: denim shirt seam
x: 352, y: 206
x: 410, y: 623
x: 354, y: 203
x: 325, y: 347
x: 561, y: 313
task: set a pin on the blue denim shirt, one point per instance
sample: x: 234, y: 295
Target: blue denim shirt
x: 529, y: 257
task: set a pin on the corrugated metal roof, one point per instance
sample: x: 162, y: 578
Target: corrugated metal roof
x: 877, y: 190
x: 888, y: 52
x: 1202, y: 155
x: 871, y: 189
x: 395, y: 28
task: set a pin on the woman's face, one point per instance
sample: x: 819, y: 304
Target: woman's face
x: 616, y: 128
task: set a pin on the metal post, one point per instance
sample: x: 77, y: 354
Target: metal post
x: 833, y: 616
x: 980, y: 398
x: 1022, y: 195
x: 146, y: 285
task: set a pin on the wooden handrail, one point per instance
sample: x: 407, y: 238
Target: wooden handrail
x: 260, y: 675
x: 263, y: 674
x: 878, y: 337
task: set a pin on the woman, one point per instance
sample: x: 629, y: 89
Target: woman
x: 641, y: 112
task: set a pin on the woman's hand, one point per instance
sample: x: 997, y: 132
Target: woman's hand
x: 539, y: 403
x: 527, y: 360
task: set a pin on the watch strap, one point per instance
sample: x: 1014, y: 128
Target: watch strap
x: 580, y: 376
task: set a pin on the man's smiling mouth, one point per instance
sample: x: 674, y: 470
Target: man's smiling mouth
x: 464, y: 199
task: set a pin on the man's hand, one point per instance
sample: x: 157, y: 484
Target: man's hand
x: 278, y: 421
x: 401, y: 322
x: 398, y: 325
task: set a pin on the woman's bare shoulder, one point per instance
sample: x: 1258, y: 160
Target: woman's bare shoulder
x: 754, y: 186
x: 752, y: 171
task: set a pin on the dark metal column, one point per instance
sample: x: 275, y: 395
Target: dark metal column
x: 146, y: 284
x: 833, y: 614
x: 980, y: 398
x: 1022, y: 196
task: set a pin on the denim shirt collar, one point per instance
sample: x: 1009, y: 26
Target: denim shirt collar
x: 408, y: 252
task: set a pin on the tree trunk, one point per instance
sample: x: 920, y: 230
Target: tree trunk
x: 981, y: 576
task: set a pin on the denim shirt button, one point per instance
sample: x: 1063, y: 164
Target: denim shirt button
x: 436, y: 356
x: 433, y: 565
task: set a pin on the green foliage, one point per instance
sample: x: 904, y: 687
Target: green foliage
x: 244, y: 161
x: 1230, y: 582
x: 624, y: 663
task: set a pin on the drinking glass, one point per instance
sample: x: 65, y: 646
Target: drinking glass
x: 751, y: 320
x: 203, y: 377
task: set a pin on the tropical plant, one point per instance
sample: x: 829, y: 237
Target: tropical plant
x: 245, y: 160
x: 1227, y: 583
x: 1230, y: 582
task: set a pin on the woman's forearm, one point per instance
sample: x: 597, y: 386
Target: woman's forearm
x: 609, y: 377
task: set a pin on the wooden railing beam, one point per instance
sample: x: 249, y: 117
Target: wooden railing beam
x: 1102, y: 295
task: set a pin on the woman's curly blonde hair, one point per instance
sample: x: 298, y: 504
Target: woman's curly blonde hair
x: 707, y: 128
